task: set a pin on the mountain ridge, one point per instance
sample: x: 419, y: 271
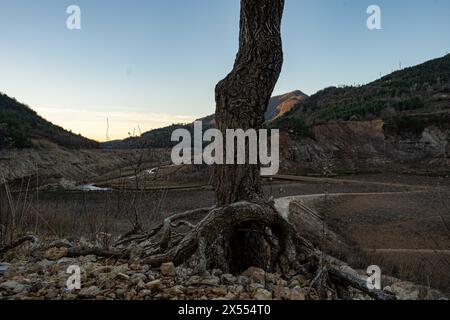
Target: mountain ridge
x: 424, y: 88
x: 160, y: 137
x: 21, y: 127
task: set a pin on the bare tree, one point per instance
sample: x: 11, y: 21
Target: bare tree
x: 243, y: 229
x: 242, y: 97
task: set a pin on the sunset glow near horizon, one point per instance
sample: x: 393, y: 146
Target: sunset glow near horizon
x: 144, y: 64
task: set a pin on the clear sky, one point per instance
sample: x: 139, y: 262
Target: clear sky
x: 149, y: 63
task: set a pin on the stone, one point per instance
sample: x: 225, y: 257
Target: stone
x: 35, y: 287
x: 405, y: 290
x: 256, y: 274
x: 300, y: 279
x: 210, y: 281
x: 255, y: 286
x: 65, y: 261
x: 123, y: 268
x: 262, y: 294
x: 141, y: 285
x: 3, y: 268
x: 56, y: 253
x: 138, y: 277
x: 51, y: 295
x: 230, y: 296
x: 123, y: 276
x: 155, y: 285
x: 243, y: 280
x: 228, y: 278
x: 168, y: 269
x: 194, y: 280
x: 217, y: 272
x: 272, y: 278
x: 44, y: 264
x: 280, y: 292
x: 144, y: 293
x: 90, y: 292
x: 145, y: 268
x: 91, y: 258
x: 176, y: 291
x: 70, y: 296
x: 220, y: 291
x: 120, y: 292
x: 135, y: 266
x: 13, y: 286
x: 239, y: 289
x: 130, y: 295
x: 294, y: 283
x: 297, y: 294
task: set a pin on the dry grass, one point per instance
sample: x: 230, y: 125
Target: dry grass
x: 428, y: 269
x: 98, y: 216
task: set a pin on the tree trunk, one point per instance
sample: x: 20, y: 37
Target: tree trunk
x: 242, y: 97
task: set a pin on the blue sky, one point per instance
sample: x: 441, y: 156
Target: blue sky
x: 149, y: 63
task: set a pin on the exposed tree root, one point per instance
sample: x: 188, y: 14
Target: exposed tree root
x: 292, y: 251
x: 217, y: 238
x: 99, y: 252
x: 166, y: 226
x: 347, y: 279
x: 17, y: 243
x: 208, y: 230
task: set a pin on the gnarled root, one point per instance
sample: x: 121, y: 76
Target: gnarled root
x: 230, y: 238
x: 215, y: 231
x: 17, y: 243
x: 243, y: 234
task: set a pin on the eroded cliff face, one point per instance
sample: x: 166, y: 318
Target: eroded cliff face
x: 56, y: 165
x: 344, y: 147
x: 368, y: 146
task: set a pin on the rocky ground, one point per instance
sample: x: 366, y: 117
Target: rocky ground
x: 102, y: 279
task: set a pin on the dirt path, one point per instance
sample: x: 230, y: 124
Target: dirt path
x: 346, y: 181
x: 419, y: 251
x: 282, y: 204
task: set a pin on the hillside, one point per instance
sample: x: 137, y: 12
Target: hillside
x: 400, y: 98
x: 21, y: 127
x: 420, y: 89
x: 397, y: 123
x: 280, y: 105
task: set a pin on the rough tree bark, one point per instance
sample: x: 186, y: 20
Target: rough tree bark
x: 242, y: 97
